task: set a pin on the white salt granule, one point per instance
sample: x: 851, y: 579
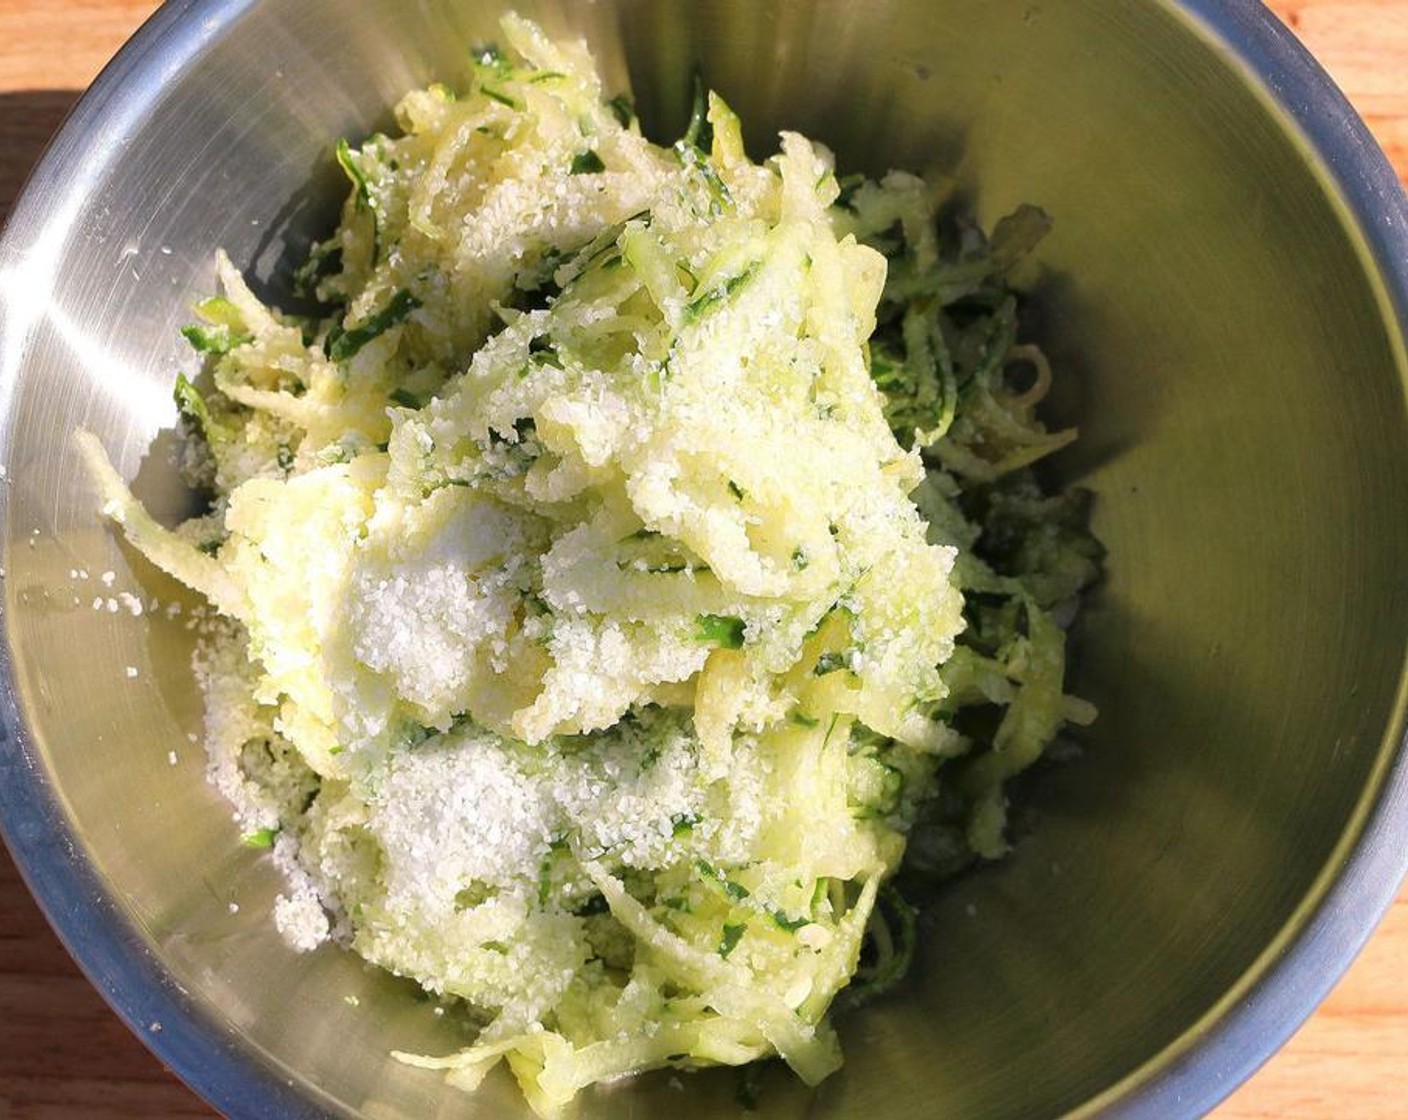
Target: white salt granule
x: 300, y: 919
x: 448, y: 815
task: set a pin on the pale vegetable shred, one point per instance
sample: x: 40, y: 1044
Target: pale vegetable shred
x: 585, y: 654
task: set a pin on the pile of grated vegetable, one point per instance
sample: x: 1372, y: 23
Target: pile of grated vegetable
x: 636, y: 555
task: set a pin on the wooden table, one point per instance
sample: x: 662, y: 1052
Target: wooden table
x: 65, y: 1056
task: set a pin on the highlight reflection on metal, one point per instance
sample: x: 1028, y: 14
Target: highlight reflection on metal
x: 1225, y: 292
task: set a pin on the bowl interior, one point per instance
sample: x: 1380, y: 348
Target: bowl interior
x: 1221, y: 335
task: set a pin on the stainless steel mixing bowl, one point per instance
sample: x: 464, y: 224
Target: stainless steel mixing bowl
x: 1225, y: 295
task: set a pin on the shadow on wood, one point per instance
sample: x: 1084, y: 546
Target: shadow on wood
x: 28, y: 120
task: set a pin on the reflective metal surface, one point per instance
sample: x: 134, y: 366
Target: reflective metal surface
x: 1224, y: 294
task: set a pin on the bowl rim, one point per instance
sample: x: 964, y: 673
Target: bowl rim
x: 1277, y: 992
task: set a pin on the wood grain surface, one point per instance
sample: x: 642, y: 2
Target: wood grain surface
x: 65, y: 1056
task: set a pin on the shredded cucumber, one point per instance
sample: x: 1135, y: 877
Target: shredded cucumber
x: 639, y: 554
